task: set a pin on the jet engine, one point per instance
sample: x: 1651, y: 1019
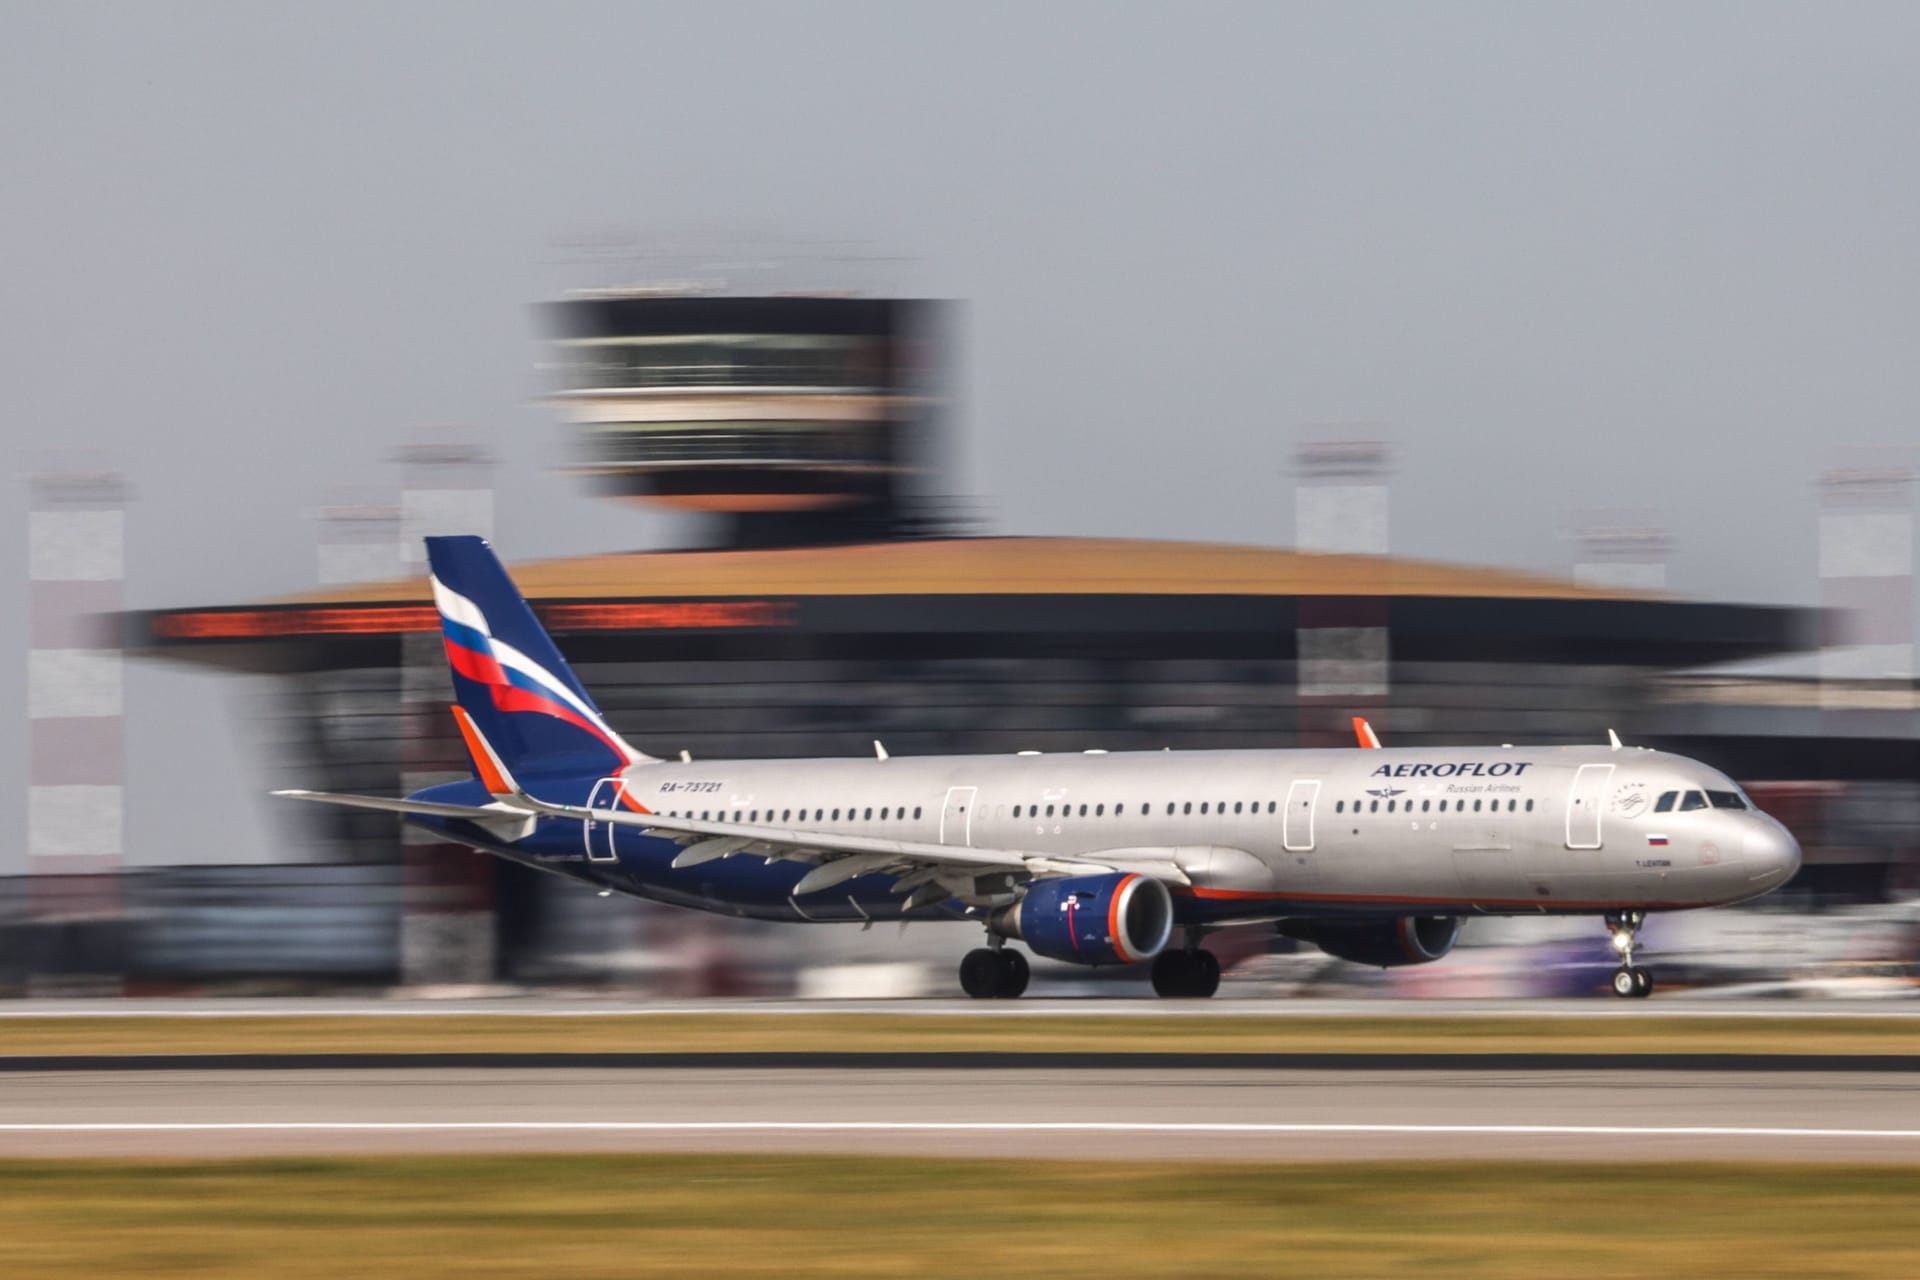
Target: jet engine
x: 1386, y: 944
x: 1110, y: 919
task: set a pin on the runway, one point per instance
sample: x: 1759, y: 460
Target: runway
x: 1226, y: 1006
x: 1146, y: 1114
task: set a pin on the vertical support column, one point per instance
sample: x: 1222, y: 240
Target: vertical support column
x: 1340, y: 507
x: 1622, y: 550
x: 1866, y: 573
x: 75, y: 705
x: 447, y: 932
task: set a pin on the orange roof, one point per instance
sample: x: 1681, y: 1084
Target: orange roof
x: 989, y: 566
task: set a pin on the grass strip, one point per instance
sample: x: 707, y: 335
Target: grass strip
x: 640, y: 1216
x: 908, y: 1033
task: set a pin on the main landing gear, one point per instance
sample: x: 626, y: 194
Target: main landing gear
x: 1192, y: 973
x: 993, y: 973
x: 1629, y: 981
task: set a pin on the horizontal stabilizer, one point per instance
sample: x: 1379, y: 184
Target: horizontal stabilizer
x: 509, y: 822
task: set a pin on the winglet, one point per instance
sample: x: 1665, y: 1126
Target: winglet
x: 486, y: 761
x: 1364, y: 732
x: 1613, y: 740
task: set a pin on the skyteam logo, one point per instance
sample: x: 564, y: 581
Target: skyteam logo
x: 513, y: 681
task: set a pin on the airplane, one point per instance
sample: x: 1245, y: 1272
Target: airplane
x: 1376, y: 856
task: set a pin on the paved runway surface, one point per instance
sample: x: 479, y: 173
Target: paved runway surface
x: 1677, y: 1005
x: 1217, y: 1114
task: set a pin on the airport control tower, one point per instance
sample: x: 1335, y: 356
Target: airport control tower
x: 791, y: 419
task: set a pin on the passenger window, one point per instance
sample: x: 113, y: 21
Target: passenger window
x: 1270, y: 805
x: 1390, y: 805
x: 1186, y: 807
x: 1476, y: 806
x: 1083, y: 811
x: 1726, y: 800
x: 1099, y: 811
x: 868, y: 816
x: 1049, y: 811
x: 1016, y: 811
x: 836, y: 815
x: 1426, y: 806
x: 1339, y: 806
x: 1510, y: 805
x: 1373, y: 806
x: 1665, y: 803
x: 1691, y: 801
x: 916, y: 811
x: 883, y: 815
x: 1203, y: 807
x: 753, y: 817
x: 1529, y: 806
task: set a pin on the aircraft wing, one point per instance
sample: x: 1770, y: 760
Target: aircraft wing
x: 834, y: 856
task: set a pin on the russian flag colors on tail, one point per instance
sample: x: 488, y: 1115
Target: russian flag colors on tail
x: 509, y: 680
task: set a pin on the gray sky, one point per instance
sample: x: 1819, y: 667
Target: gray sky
x: 1653, y: 255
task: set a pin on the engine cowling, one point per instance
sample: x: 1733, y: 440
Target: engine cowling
x: 1110, y: 919
x: 1385, y: 944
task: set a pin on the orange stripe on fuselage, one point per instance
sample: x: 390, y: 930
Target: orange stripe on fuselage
x: 482, y: 757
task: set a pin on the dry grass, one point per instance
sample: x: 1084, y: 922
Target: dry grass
x: 723, y: 1033
x: 584, y: 1217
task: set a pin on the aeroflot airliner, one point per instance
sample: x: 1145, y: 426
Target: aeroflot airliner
x: 1130, y: 858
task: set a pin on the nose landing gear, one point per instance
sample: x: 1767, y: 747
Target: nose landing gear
x: 1629, y: 980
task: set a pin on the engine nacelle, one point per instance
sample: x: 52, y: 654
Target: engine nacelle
x: 1385, y: 944
x: 1111, y: 919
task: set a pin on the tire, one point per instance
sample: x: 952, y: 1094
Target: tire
x: 1012, y: 975
x: 1625, y: 984
x: 1206, y: 975
x: 1642, y: 983
x: 1172, y: 974
x: 980, y: 973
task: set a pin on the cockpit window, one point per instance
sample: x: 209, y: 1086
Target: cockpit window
x: 1692, y: 800
x: 1726, y: 800
x: 1665, y: 803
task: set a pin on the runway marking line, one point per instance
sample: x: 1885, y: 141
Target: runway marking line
x: 914, y: 1126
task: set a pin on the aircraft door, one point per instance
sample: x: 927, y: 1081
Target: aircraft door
x: 956, y: 816
x: 1585, y: 804
x: 1296, y: 830
x: 599, y: 836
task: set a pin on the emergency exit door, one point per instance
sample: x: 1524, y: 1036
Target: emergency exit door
x: 1297, y: 828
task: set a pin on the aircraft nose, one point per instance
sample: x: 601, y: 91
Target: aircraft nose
x: 1772, y: 854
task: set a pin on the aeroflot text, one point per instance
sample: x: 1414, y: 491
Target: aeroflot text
x: 1476, y: 769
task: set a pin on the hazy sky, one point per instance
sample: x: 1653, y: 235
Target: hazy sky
x: 1656, y: 255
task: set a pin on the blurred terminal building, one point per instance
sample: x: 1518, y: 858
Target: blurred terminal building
x: 830, y: 600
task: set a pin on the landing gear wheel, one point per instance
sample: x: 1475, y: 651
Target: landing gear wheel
x: 1629, y: 980
x: 1186, y: 975
x: 1013, y: 973
x: 1172, y: 972
x: 1206, y: 974
x: 980, y: 973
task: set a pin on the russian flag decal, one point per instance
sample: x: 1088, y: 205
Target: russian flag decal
x: 1656, y: 840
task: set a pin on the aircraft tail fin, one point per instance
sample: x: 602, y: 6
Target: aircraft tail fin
x: 521, y: 708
